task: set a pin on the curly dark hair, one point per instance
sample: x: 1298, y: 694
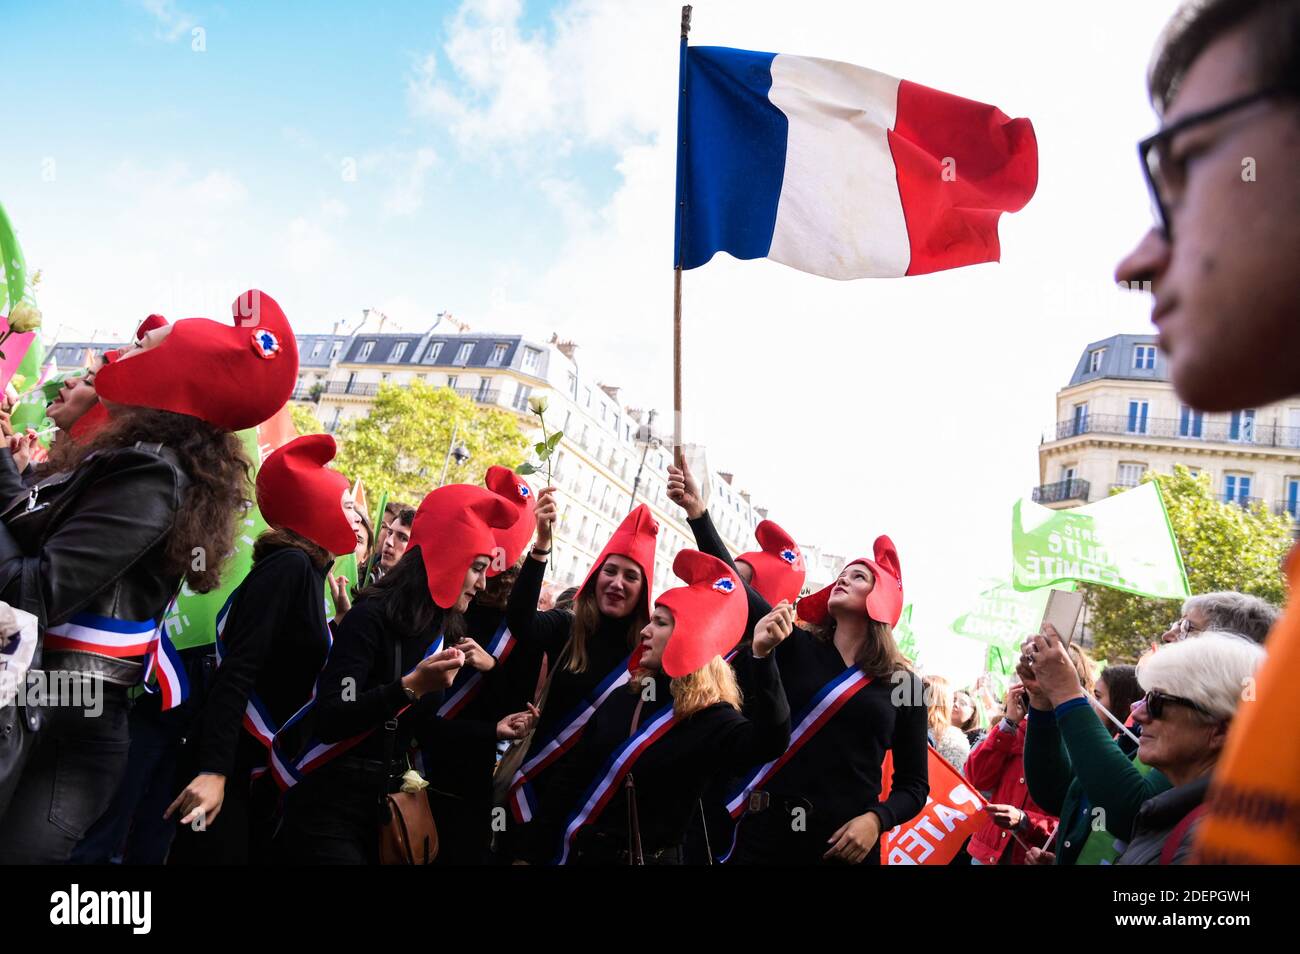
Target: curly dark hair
x: 220, y: 483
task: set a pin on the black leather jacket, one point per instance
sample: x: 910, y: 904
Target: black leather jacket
x: 92, y: 540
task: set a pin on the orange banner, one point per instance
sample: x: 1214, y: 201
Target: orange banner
x: 953, y: 812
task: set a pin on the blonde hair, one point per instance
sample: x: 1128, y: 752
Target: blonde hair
x: 938, y: 703
x: 1084, y: 667
x: 713, y: 682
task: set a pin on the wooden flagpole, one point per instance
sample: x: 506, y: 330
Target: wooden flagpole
x: 677, y: 269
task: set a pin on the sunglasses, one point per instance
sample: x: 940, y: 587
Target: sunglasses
x: 1165, y: 176
x: 1155, y: 702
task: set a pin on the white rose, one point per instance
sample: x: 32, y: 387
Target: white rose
x: 25, y: 317
x: 413, y: 781
x: 537, y: 404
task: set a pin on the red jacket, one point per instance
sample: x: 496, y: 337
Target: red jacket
x: 997, y: 768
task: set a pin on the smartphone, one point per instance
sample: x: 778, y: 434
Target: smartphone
x: 1062, y: 611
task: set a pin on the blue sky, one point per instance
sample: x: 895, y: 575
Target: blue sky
x: 278, y: 103
x: 514, y: 164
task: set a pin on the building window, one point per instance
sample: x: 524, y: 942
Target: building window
x: 1236, y: 489
x: 451, y: 381
x: 462, y: 356
x: 1137, y: 416
x: 498, y: 356
x: 398, y: 352
x: 1130, y: 475
x: 485, y: 395
x: 522, y: 393
x: 1094, y: 360
x: 1144, y: 357
x: 431, y: 353
x: 1242, y: 427
x: 1191, y: 423
x: 366, y: 348
x: 586, y: 397
x: 573, y: 386
x: 1081, y: 418
x: 532, y: 358
x: 335, y: 348
x: 315, y: 350
x: 1292, y: 503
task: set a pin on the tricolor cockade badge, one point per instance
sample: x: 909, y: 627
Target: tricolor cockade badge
x: 265, y: 343
x: 790, y: 556
x: 724, y: 585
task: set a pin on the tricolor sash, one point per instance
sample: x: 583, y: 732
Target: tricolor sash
x: 598, y: 796
x: 469, y: 682
x: 522, y: 801
x: 124, y: 639
x: 289, y: 768
x: 88, y: 633
x: 820, y: 710
x: 828, y: 701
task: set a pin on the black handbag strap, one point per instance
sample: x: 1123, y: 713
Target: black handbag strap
x: 390, y: 726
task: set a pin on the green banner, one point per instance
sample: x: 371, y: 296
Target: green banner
x: 11, y: 264
x: 1002, y: 617
x: 344, y: 566
x: 904, y: 636
x: 1124, y: 542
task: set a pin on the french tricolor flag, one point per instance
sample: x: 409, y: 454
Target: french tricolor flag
x: 839, y: 170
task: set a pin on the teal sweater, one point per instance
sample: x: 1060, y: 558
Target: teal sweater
x: 1073, y: 766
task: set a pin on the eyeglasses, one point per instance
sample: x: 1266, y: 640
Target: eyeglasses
x: 1165, y: 176
x: 1155, y: 702
x: 1185, y: 628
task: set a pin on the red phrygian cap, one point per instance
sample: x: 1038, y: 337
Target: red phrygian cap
x: 884, y: 602
x: 232, y: 376
x: 148, y: 325
x: 635, y: 539
x: 515, y: 491
x: 778, y: 565
x: 453, y: 526
x: 296, y: 491
x: 709, y: 613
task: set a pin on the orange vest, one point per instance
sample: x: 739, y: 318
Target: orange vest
x: 1254, y: 802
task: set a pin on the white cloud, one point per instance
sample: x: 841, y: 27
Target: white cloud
x: 171, y: 23
x: 310, y: 242
x: 509, y: 85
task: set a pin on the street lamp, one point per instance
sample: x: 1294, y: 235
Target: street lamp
x: 455, y: 449
x: 645, y: 437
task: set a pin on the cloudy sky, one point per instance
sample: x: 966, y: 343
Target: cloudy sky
x: 512, y: 161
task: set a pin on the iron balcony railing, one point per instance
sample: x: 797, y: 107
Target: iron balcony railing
x: 1265, y: 435
x: 1062, y: 491
x: 353, y: 388
x: 481, y: 395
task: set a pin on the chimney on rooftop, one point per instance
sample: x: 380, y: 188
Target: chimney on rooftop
x: 726, y: 476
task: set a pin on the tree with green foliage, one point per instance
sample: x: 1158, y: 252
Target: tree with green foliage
x: 305, y: 420
x: 1224, y: 547
x: 400, y: 447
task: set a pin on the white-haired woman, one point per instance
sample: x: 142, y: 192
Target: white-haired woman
x: 1193, y: 689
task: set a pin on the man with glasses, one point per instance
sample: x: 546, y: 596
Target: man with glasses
x: 1226, y: 612
x: 1222, y: 263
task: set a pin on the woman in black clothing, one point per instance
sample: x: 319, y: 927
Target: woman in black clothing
x: 271, y: 642
x: 587, y: 648
x: 627, y: 791
x: 98, y: 551
x: 854, y: 698
x: 387, y: 668
x: 460, y: 789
